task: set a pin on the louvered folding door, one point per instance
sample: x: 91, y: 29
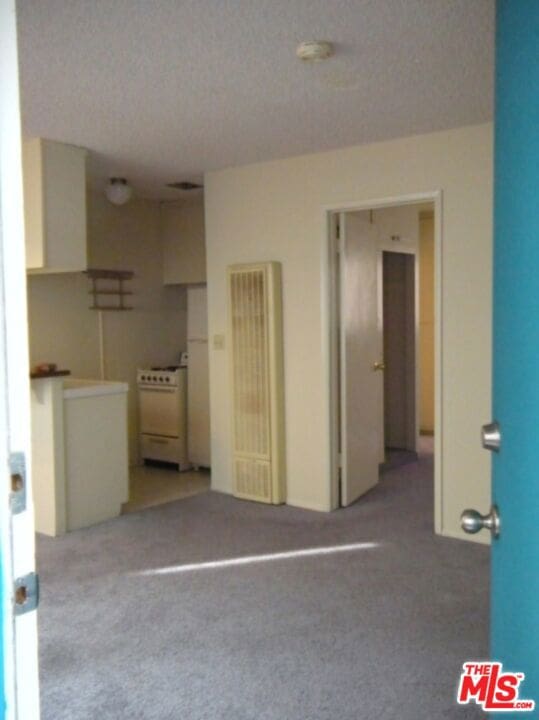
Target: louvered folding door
x: 256, y: 347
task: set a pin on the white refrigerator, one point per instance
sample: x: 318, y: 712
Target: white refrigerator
x: 198, y: 381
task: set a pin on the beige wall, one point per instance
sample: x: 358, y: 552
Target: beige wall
x: 62, y: 329
x: 275, y: 211
x: 184, y: 249
x: 65, y: 331
x: 401, y: 220
x: 426, y: 324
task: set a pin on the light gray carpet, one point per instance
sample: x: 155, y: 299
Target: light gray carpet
x: 366, y: 635
x: 396, y: 457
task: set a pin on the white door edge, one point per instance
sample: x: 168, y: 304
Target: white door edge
x: 18, y: 552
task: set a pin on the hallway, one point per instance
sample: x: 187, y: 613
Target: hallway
x: 373, y: 632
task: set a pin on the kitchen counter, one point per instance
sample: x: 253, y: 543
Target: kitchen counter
x: 74, y: 387
x: 79, y: 452
x: 49, y: 374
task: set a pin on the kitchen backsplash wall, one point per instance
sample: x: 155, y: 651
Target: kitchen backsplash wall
x: 65, y: 331
x: 61, y: 328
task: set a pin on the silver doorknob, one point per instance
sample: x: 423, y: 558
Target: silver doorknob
x: 472, y: 521
x: 491, y: 436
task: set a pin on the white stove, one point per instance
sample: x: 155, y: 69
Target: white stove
x: 163, y: 415
x: 160, y: 377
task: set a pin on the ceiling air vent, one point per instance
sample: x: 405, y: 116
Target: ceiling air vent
x: 184, y: 185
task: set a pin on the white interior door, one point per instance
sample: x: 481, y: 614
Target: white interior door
x: 361, y: 349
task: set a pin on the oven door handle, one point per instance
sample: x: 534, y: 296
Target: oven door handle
x: 152, y: 389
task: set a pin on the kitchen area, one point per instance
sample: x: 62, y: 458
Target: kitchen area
x: 117, y: 297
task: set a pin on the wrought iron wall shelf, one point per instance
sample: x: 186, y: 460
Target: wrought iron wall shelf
x: 119, y: 291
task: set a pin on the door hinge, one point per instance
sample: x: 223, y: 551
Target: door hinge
x: 26, y: 593
x: 17, y: 468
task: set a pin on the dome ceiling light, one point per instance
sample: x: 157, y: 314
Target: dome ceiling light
x: 118, y: 191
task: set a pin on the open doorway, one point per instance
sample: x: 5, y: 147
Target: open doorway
x: 384, y: 289
x: 400, y: 362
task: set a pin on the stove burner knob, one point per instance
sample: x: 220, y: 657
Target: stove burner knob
x: 167, y: 379
x: 160, y: 379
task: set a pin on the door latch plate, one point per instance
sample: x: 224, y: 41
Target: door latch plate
x: 26, y: 593
x: 17, y: 468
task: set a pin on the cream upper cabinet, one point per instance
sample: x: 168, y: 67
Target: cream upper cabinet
x: 54, y: 206
x: 184, y: 244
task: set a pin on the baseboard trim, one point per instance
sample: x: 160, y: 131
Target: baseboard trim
x: 307, y: 505
x: 301, y: 504
x: 219, y: 489
x: 480, y: 538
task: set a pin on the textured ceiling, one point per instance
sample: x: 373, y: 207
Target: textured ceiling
x: 163, y: 90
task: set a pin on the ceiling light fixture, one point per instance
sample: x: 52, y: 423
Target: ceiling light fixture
x: 314, y: 50
x: 118, y: 191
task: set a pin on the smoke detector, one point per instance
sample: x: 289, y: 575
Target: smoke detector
x: 314, y: 50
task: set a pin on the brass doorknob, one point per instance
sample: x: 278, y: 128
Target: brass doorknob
x: 379, y: 365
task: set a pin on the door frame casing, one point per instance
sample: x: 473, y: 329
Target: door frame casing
x: 330, y: 334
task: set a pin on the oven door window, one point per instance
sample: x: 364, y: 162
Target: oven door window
x: 159, y: 411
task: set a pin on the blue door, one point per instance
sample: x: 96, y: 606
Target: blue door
x: 515, y: 554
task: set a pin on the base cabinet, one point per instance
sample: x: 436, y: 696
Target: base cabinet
x: 79, y: 453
